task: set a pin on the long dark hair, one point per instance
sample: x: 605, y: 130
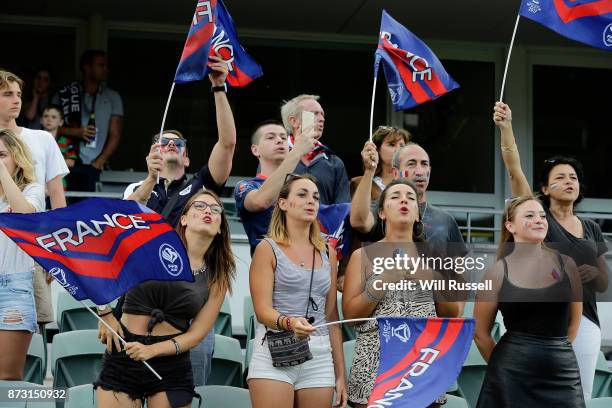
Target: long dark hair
x: 219, y: 258
x: 381, y: 134
x: 549, y: 165
x: 418, y: 232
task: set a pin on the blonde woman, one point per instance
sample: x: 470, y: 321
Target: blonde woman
x: 19, y: 194
x: 293, y: 285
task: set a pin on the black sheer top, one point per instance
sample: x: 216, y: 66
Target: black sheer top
x: 176, y: 302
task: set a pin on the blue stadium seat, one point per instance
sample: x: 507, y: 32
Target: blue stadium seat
x: 76, y: 358
x: 472, y: 376
x: 599, y: 403
x: 349, y: 355
x: 226, y: 363
x: 222, y: 396
x: 81, y: 396
x: 223, y: 324
x: 249, y: 317
x: 602, y: 384
x: 34, y: 370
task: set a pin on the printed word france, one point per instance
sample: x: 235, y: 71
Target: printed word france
x: 94, y: 228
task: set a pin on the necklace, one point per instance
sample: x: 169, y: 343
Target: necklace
x: 201, y: 269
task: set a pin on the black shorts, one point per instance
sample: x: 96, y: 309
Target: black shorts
x: 122, y: 374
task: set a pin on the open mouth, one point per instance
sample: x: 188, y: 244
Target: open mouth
x: 207, y: 219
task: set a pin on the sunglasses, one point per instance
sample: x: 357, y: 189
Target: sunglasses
x: 202, y: 205
x: 179, y: 143
x: 290, y: 176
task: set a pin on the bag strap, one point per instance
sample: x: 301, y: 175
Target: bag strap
x: 173, y: 200
x: 310, y: 287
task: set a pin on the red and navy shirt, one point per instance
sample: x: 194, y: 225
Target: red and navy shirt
x: 255, y: 223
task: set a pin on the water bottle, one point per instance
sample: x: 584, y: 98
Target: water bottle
x: 92, y: 122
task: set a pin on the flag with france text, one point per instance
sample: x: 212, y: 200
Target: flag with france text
x: 586, y: 21
x: 335, y: 226
x: 420, y: 358
x: 100, y: 248
x: 414, y: 74
x: 212, y: 31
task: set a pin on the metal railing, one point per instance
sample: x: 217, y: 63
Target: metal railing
x: 464, y: 215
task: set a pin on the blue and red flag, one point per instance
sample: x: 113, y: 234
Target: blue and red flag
x: 212, y: 30
x: 99, y: 248
x: 586, y: 21
x: 420, y: 358
x: 414, y: 74
x: 335, y: 226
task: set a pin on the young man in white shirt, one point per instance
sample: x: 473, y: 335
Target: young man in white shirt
x: 49, y: 166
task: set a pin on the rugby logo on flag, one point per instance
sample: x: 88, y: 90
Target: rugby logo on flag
x: 169, y: 257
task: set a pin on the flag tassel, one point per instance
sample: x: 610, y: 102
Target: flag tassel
x: 117, y: 334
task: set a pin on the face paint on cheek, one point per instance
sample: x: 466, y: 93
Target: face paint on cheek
x: 405, y: 173
x: 527, y: 223
x: 554, y: 186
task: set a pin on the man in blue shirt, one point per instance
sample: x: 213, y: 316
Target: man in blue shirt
x: 320, y: 161
x: 256, y: 197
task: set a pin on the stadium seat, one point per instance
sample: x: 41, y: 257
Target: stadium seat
x: 222, y: 396
x: 19, y: 385
x: 248, y: 314
x: 472, y: 375
x: 226, y: 363
x: 602, y: 384
x: 34, y: 370
x: 81, y: 396
x: 455, y: 402
x: 349, y: 354
x: 348, y: 330
x: 223, y: 324
x: 76, y: 358
x: 72, y: 315
x: 599, y: 403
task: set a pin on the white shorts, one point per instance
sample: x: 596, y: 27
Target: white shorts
x: 315, y: 373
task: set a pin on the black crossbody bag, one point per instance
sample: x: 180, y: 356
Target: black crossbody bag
x: 285, y: 348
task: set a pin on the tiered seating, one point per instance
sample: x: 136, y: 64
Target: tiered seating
x: 76, y: 358
x: 34, y: 370
x: 226, y: 363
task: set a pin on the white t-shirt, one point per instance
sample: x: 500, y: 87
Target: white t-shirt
x: 48, y: 160
x: 12, y: 258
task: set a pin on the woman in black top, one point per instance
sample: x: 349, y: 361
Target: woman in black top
x: 538, y: 292
x: 578, y: 238
x: 156, y: 316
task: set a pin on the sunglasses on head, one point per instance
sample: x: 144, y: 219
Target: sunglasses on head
x: 290, y: 176
x: 164, y: 141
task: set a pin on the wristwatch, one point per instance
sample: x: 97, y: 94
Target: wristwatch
x: 219, y: 88
x: 103, y: 309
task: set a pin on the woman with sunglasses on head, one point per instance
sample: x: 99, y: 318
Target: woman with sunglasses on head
x: 581, y: 239
x: 539, y: 293
x: 365, y: 294
x: 293, y: 285
x: 18, y: 194
x: 156, y: 316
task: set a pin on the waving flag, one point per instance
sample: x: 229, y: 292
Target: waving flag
x: 99, y: 248
x: 587, y: 21
x: 212, y: 30
x: 419, y: 359
x: 414, y: 74
x: 335, y: 226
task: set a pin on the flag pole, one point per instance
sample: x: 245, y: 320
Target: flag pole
x: 117, y: 334
x: 164, y: 120
x: 501, y: 95
x: 372, y: 107
x: 365, y: 319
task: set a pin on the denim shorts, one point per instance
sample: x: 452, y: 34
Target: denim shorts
x: 315, y: 373
x: 17, y: 310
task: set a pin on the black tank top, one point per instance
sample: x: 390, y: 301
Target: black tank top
x: 176, y: 302
x: 541, y: 318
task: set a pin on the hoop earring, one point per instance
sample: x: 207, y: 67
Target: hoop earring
x: 418, y: 228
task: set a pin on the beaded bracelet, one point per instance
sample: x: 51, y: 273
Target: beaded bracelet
x: 289, y: 323
x: 277, y: 321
